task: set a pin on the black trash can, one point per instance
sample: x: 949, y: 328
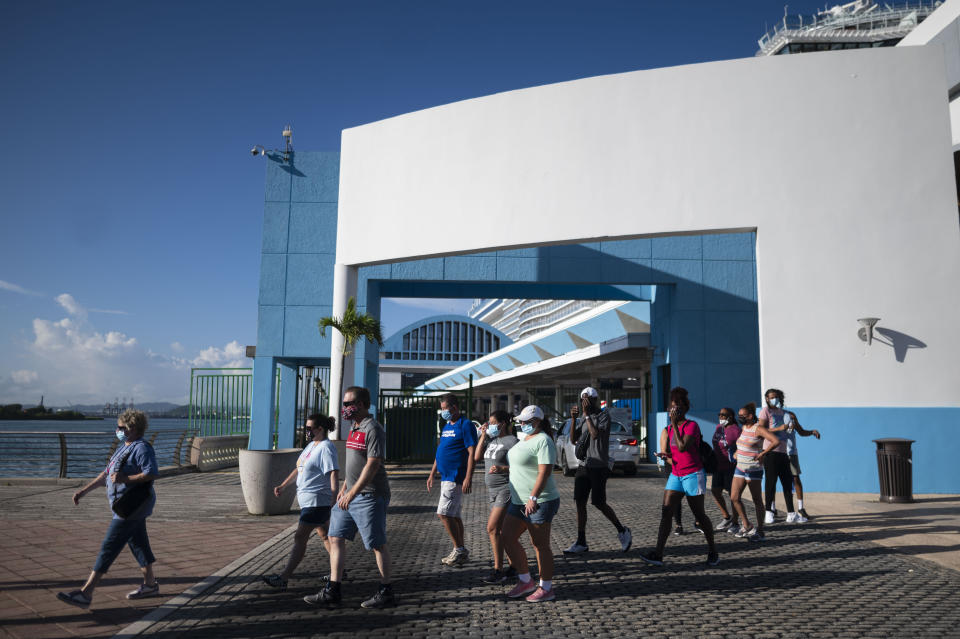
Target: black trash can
x: 895, y: 463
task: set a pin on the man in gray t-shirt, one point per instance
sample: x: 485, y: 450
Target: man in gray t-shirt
x: 362, y: 502
x: 592, y: 474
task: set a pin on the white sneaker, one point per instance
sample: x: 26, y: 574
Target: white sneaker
x: 723, y: 525
x: 768, y: 518
x: 576, y: 549
x: 746, y: 533
x: 800, y: 518
x: 793, y: 518
x: 734, y: 529
x: 626, y: 538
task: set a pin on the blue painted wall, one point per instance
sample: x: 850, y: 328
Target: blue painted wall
x: 844, y: 460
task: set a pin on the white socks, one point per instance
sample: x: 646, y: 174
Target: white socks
x: 799, y: 504
x: 524, y: 578
x: 546, y: 584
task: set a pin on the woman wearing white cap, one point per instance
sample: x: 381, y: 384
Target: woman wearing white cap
x: 534, y: 502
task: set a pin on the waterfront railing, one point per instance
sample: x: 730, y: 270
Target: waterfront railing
x: 80, y: 454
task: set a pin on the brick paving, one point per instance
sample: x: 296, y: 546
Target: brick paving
x: 804, y: 581
x: 47, y: 544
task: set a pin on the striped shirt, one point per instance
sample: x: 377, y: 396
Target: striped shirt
x: 749, y: 445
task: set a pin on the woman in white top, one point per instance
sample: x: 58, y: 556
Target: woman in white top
x: 317, y: 480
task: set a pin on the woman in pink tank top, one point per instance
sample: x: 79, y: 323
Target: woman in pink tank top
x: 749, y: 470
x: 682, y: 439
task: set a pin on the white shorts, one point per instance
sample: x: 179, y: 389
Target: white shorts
x: 451, y: 498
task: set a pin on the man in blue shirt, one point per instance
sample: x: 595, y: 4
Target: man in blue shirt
x: 454, y: 461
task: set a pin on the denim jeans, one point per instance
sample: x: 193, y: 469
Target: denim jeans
x: 125, y: 531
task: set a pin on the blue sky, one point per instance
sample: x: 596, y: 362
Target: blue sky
x: 129, y: 202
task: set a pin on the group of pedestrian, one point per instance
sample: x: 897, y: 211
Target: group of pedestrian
x: 518, y: 474
x: 745, y: 449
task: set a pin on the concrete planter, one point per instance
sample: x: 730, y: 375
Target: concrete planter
x: 260, y: 471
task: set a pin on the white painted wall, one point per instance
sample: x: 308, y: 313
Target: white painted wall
x: 841, y: 161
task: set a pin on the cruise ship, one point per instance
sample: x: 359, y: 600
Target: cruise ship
x: 522, y: 318
x: 856, y: 25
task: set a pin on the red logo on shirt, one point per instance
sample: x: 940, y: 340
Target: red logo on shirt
x: 357, y: 440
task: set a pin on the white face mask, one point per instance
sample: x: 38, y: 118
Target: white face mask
x: 724, y: 422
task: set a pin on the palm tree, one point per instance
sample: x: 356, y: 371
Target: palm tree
x: 352, y: 326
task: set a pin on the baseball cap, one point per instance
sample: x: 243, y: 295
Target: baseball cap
x: 589, y: 391
x: 529, y: 413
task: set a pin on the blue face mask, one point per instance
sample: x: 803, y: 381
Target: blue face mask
x: 775, y: 402
x: 493, y: 431
x: 122, y: 435
x: 445, y: 414
x: 527, y: 428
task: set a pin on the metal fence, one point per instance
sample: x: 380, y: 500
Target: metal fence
x: 83, y: 454
x: 412, y: 424
x: 220, y: 401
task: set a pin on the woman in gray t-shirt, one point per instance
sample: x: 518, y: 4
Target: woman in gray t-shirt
x: 496, y: 438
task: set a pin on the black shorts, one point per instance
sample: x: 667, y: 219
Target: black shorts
x: 591, y: 480
x: 723, y: 479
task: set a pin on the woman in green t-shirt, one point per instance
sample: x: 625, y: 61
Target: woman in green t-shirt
x: 534, y: 502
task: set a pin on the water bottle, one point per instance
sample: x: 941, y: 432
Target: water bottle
x: 659, y: 463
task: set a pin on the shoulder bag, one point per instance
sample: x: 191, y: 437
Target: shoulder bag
x: 134, y: 496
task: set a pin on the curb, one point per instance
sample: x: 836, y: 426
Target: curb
x: 139, y: 627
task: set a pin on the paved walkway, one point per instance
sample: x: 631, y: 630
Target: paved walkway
x: 808, y: 580
x: 47, y: 544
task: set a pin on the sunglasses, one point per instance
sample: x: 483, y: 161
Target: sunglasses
x: 351, y: 403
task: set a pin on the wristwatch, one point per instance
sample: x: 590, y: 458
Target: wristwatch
x: 533, y: 497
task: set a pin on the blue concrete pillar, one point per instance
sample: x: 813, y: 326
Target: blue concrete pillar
x: 287, y: 407
x: 262, y: 403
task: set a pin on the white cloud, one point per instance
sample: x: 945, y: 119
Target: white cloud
x: 80, y: 363
x: 233, y: 355
x: 13, y: 288
x: 176, y: 347
x: 71, y: 305
x: 24, y: 377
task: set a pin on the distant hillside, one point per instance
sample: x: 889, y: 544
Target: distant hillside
x: 154, y: 409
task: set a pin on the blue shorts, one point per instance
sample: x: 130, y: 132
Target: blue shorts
x: 749, y: 475
x: 691, y: 485
x: 544, y: 514
x: 315, y: 515
x: 366, y: 513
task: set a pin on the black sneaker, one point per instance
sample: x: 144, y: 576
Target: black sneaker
x: 678, y: 530
x: 494, y: 577
x: 803, y: 511
x: 698, y: 528
x: 381, y: 599
x: 713, y: 559
x: 510, y: 573
x: 652, y: 557
x: 329, y: 596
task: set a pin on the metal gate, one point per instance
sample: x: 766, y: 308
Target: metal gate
x: 412, y: 423
x: 313, y: 383
x: 220, y: 401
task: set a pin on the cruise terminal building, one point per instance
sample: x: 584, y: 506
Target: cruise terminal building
x: 758, y: 208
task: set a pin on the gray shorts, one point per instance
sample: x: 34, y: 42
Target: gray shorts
x: 499, y: 497
x: 795, y: 465
x: 451, y: 498
x: 366, y: 513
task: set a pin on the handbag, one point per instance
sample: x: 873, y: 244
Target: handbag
x: 583, y: 442
x: 707, y: 458
x: 133, y: 497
